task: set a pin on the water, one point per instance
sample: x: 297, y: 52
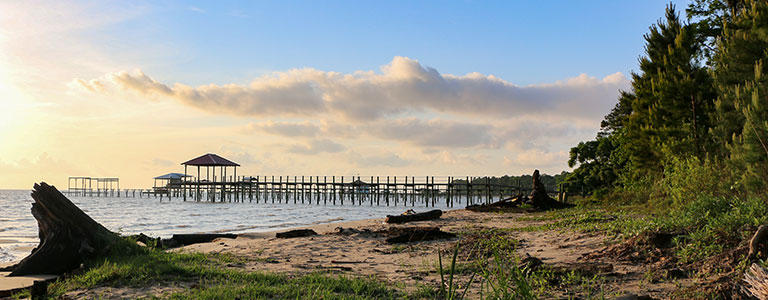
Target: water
x: 18, y: 229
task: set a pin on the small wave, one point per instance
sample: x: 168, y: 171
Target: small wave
x: 287, y: 224
x: 328, y: 220
x: 183, y: 226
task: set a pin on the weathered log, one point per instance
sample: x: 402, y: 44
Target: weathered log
x: 430, y: 215
x: 197, y: 238
x: 756, y: 279
x: 68, y: 236
x: 539, y: 197
x: 419, y: 234
x: 758, y: 243
x: 295, y: 233
x: 507, y: 204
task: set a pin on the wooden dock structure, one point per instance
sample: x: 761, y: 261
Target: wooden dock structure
x: 426, y: 191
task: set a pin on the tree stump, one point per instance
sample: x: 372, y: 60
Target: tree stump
x: 68, y: 236
x: 539, y: 197
x: 757, y: 244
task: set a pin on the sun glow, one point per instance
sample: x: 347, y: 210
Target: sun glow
x: 11, y: 106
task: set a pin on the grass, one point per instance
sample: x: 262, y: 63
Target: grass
x: 493, y: 270
x: 133, y: 266
x: 706, y: 226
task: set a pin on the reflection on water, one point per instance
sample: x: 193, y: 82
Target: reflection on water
x: 18, y: 229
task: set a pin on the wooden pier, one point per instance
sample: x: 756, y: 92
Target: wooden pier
x: 425, y: 191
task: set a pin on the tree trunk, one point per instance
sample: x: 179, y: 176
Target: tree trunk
x: 67, y: 235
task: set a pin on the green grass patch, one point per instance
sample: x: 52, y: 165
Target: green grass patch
x: 132, y: 266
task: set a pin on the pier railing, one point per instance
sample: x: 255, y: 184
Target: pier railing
x: 331, y: 190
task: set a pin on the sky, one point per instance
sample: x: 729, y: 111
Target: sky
x: 131, y: 89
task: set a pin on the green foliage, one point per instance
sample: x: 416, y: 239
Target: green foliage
x: 447, y: 288
x: 673, y: 98
x: 711, y: 17
x: 738, y: 72
x: 712, y: 224
x: 688, y: 179
x: 598, y: 169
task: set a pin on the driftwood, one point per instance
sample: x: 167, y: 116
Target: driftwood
x: 758, y: 243
x: 197, y: 238
x: 68, y: 236
x: 295, y: 233
x: 756, y: 279
x: 419, y: 234
x: 430, y: 215
x: 539, y: 197
x: 511, y: 204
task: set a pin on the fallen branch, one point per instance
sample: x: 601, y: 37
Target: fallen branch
x: 430, y: 215
x: 295, y: 233
x: 419, y: 234
x: 197, y: 238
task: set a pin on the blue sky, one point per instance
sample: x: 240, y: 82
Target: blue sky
x: 101, y: 88
x: 524, y: 42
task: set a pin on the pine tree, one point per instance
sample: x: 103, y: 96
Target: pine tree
x: 742, y: 107
x: 673, y: 98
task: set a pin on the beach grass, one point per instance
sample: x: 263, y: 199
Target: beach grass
x: 206, y: 276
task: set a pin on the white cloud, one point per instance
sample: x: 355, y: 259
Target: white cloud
x: 403, y: 86
x: 403, y: 105
x: 304, y: 129
x: 316, y: 147
x: 433, y: 133
x: 385, y: 160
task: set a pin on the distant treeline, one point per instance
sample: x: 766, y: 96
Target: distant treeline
x: 695, y: 121
x: 523, y: 181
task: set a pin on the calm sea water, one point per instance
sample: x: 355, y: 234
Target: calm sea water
x: 18, y: 229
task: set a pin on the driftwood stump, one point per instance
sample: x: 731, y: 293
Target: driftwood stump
x: 539, y: 197
x: 67, y: 235
x: 757, y: 245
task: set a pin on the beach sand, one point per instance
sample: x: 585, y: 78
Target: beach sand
x: 416, y: 264
x: 408, y: 266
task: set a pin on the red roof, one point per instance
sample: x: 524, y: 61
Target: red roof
x: 211, y: 159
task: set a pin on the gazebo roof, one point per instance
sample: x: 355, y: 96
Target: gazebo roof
x: 172, y: 176
x: 211, y: 159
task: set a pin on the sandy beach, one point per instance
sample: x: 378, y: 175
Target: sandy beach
x: 411, y: 265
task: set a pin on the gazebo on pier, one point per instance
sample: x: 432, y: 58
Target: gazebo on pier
x: 167, y: 180
x: 211, y: 162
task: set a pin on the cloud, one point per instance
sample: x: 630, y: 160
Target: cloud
x: 385, y: 160
x: 537, y: 158
x: 305, y: 129
x: 162, y: 162
x: 401, y: 87
x: 317, y: 147
x: 433, y: 133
